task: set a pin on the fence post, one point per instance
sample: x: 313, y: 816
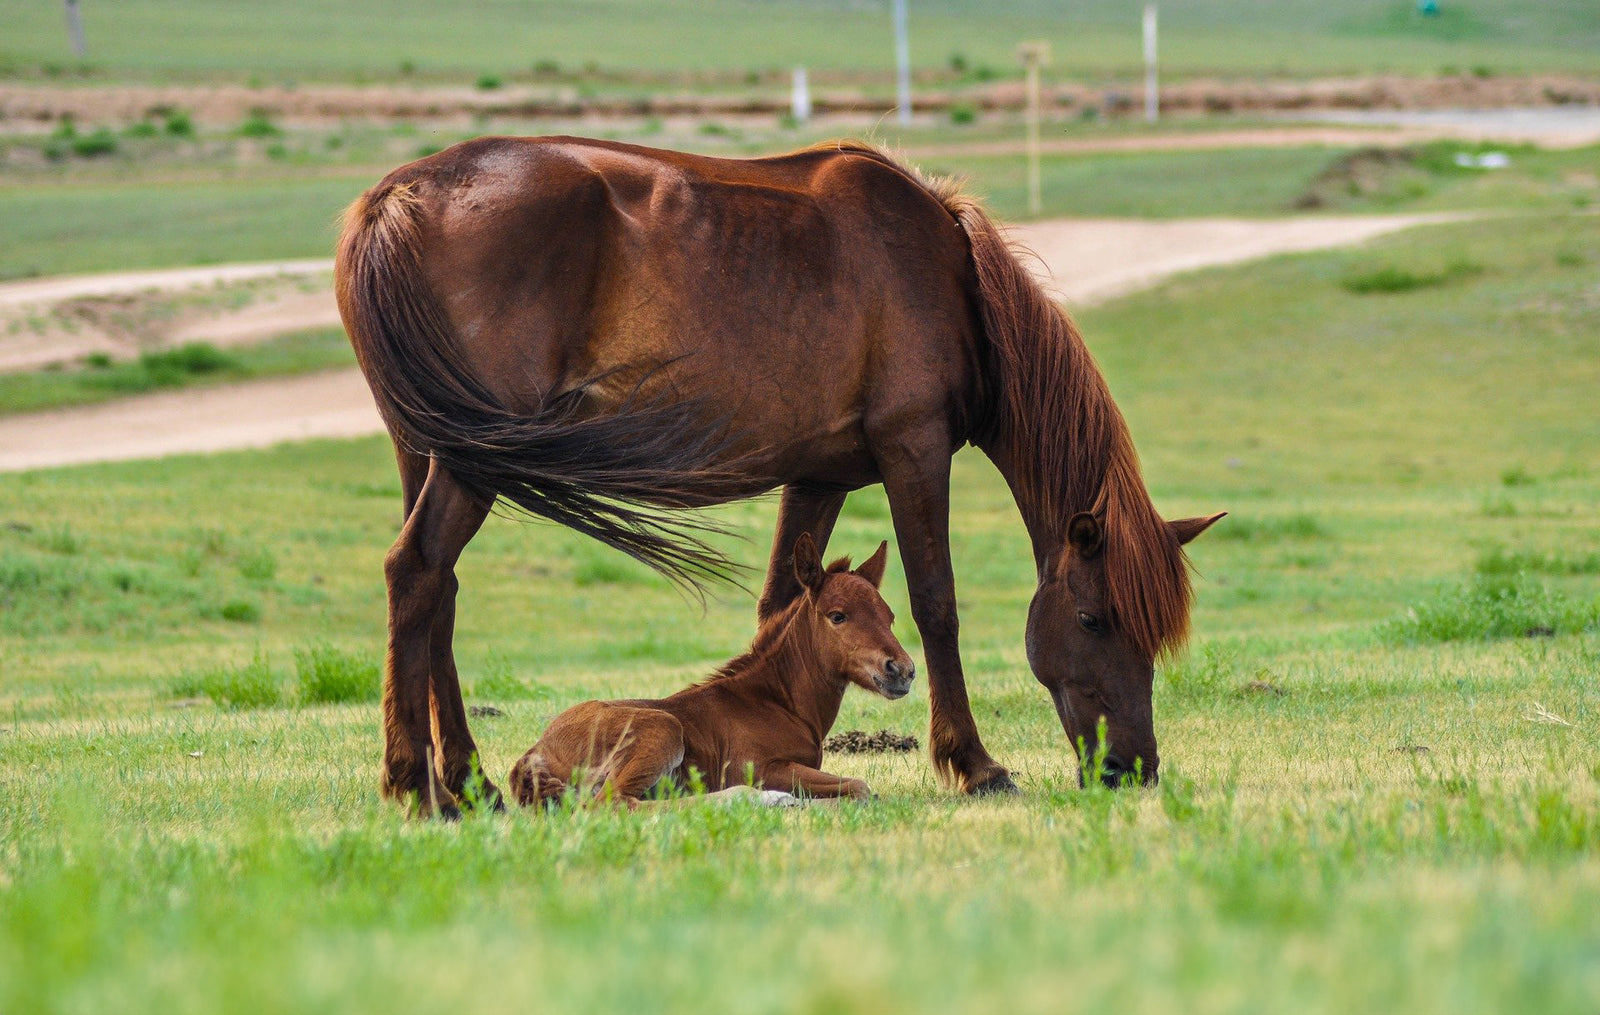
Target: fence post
x: 1152, y: 93
x: 1033, y: 55
x: 902, y: 59
x: 800, y: 96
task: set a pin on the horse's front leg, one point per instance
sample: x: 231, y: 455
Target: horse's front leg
x: 919, y: 501
x: 805, y: 781
x: 801, y: 510
x: 419, y: 571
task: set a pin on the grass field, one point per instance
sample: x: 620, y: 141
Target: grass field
x: 287, y: 39
x: 1379, y: 791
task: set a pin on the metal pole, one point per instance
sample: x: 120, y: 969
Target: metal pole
x: 1152, y: 93
x: 75, y: 29
x: 902, y: 57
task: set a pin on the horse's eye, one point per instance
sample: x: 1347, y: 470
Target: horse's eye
x: 1089, y: 622
x: 836, y: 617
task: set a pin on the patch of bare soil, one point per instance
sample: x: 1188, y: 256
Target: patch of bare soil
x: 329, y: 104
x: 51, y: 322
x: 862, y: 742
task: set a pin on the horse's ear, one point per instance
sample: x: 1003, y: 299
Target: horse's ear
x: 1084, y: 533
x: 808, y: 563
x: 872, y: 568
x: 1188, y: 528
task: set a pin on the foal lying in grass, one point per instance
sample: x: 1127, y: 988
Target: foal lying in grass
x: 761, y: 718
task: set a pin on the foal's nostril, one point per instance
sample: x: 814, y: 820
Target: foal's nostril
x: 893, y: 669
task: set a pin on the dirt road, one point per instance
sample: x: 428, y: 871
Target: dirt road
x: 1083, y: 260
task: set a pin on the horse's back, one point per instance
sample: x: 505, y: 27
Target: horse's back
x: 783, y: 290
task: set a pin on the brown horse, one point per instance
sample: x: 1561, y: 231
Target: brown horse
x: 759, y: 720
x: 596, y: 331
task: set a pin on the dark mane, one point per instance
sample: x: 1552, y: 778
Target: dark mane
x: 1061, y: 435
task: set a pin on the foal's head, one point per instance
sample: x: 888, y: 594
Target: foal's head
x: 851, y: 625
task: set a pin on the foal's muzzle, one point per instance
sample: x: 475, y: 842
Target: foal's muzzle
x: 895, y: 679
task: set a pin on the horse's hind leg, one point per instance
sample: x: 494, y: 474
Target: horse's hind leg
x: 420, y: 571
x: 648, y: 748
x: 455, y: 746
x: 801, y: 510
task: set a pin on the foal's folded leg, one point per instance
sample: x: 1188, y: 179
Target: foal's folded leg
x: 805, y: 781
x: 648, y: 747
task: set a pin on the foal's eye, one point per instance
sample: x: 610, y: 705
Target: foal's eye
x: 1089, y: 622
x: 836, y: 617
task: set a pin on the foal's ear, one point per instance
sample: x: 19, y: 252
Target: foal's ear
x: 1084, y: 533
x: 872, y: 568
x: 1188, y: 528
x: 807, y: 563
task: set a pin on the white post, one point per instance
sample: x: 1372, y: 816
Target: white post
x: 1152, y: 93
x: 800, y: 96
x: 75, y: 29
x: 902, y: 58
x: 1033, y: 56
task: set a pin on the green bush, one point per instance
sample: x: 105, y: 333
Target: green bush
x: 963, y: 113
x: 1493, y: 605
x: 240, y: 611
x: 142, y: 129
x: 259, y: 124
x: 328, y: 675
x: 178, y: 124
x: 489, y: 82
x: 232, y: 687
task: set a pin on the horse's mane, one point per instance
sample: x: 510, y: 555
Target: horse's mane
x: 768, y: 636
x: 1063, y: 438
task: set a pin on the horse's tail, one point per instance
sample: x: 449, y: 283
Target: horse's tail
x: 532, y: 784
x: 604, y: 476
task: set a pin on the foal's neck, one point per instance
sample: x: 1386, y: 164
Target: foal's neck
x: 792, y: 675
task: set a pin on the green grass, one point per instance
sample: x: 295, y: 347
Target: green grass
x: 194, y: 365
x: 1348, y: 820
x: 404, y: 39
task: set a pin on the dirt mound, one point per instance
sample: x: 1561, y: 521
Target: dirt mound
x: 862, y: 742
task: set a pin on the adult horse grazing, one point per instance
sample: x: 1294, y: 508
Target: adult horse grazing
x: 596, y: 331
x: 761, y: 717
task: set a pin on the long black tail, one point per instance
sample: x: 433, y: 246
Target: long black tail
x: 606, y: 476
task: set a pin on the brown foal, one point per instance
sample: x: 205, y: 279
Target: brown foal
x: 759, y: 720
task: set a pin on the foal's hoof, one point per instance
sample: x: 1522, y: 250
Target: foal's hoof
x: 999, y: 784
x: 778, y: 798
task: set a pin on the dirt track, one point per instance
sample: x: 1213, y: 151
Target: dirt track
x: 1088, y: 260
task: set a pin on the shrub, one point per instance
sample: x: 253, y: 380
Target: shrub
x: 328, y: 675
x: 1492, y: 605
x: 488, y: 82
x: 232, y: 687
x: 144, y: 128
x: 101, y: 142
x: 240, y: 611
x: 179, y: 124
x: 963, y: 113
x: 259, y: 124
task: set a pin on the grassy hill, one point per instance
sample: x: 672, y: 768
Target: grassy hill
x: 328, y: 39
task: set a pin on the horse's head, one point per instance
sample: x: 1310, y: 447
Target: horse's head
x: 1089, y: 658
x: 853, y: 627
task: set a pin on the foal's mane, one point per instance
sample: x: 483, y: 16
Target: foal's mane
x: 768, y: 636
x: 1058, y: 431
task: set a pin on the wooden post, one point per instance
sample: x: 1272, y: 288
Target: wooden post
x: 902, y: 59
x: 1152, y: 89
x: 1033, y: 55
x: 75, y: 30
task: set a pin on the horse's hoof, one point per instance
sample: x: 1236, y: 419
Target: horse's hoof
x: 999, y: 784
